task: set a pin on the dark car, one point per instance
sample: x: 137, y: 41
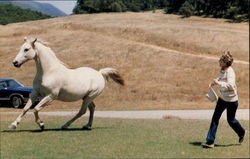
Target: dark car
x: 14, y: 92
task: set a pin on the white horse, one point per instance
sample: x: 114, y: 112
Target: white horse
x: 54, y: 81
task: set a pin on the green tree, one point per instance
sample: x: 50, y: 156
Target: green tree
x: 123, y: 6
x: 212, y: 8
x: 173, y: 6
x: 186, y: 9
x: 232, y: 12
x: 115, y: 7
x: 12, y: 14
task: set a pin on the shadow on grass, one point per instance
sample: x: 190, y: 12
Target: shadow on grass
x: 215, y: 145
x: 55, y: 130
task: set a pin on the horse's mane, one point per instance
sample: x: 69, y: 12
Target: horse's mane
x: 45, y: 43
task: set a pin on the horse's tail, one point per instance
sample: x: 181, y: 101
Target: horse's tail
x: 113, y: 74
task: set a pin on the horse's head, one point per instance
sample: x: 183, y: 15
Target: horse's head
x: 26, y: 53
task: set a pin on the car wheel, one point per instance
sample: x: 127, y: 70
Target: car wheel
x: 17, y: 102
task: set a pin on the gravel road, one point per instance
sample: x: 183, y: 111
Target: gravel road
x: 242, y: 114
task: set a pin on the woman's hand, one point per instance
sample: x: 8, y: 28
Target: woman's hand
x: 215, y: 82
x: 211, y: 85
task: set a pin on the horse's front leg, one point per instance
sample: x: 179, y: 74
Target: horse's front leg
x: 39, y: 107
x: 31, y: 101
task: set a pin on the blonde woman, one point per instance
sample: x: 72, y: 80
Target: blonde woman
x: 228, y: 100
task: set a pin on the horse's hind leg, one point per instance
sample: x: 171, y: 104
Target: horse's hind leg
x: 91, y: 107
x: 78, y: 115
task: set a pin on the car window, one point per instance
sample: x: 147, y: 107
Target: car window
x: 3, y: 84
x: 13, y: 83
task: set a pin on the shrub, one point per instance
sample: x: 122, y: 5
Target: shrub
x: 135, y: 8
x: 232, y: 12
x: 166, y: 10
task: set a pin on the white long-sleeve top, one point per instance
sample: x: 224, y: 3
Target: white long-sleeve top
x: 227, y: 84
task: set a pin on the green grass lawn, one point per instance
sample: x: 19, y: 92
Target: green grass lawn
x: 118, y: 138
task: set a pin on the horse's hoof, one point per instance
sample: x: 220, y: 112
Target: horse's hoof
x: 12, y: 126
x: 86, y: 128
x: 64, y: 127
x: 42, y: 127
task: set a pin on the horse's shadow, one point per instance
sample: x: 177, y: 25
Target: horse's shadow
x: 54, y: 130
x: 215, y: 145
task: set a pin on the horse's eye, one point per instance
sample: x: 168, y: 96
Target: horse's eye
x: 25, y: 50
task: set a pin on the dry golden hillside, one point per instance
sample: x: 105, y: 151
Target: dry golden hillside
x: 153, y: 51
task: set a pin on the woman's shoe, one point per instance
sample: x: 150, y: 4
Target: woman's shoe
x: 207, y: 145
x: 241, y: 138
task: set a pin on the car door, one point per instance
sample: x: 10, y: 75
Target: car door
x: 4, y: 92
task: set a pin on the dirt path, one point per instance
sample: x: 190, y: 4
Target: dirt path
x: 242, y: 114
x: 185, y: 53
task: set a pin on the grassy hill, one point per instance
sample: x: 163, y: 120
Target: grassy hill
x: 12, y: 14
x: 162, y: 57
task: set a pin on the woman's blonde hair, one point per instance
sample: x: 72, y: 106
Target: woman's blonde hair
x: 227, y: 58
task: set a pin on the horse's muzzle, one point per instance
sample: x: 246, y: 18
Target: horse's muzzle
x: 15, y: 63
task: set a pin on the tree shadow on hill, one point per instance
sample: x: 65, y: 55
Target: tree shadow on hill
x: 55, y: 130
x: 215, y: 145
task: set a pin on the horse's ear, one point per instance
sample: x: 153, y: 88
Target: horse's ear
x: 33, y: 42
x: 25, y: 38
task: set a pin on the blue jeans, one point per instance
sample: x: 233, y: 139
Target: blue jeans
x: 231, y: 110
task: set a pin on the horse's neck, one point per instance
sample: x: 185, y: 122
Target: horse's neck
x: 46, y: 60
